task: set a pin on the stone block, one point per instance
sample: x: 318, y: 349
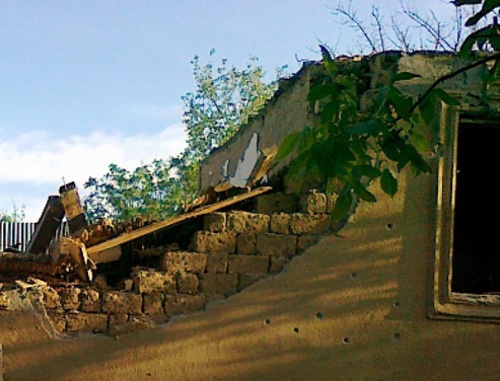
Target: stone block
x: 90, y: 300
x: 184, y: 261
x: 184, y: 304
x: 313, y: 203
x: 117, y: 319
x: 276, y: 203
x: 4, y: 301
x: 153, y: 303
x: 244, y: 222
x: 280, y: 223
x: 70, y: 299
x: 248, y: 264
x: 133, y: 324
x: 206, y: 242
x: 246, y: 243
x: 57, y: 320
x: 224, y: 284
x: 217, y: 263
x: 309, y: 224
x: 51, y: 298
x: 187, y: 284
x: 277, y: 264
x: 276, y: 245
x: 119, y: 302
x: 147, y: 281
x: 215, y: 222
x: 306, y: 241
x: 87, y: 322
x: 246, y: 280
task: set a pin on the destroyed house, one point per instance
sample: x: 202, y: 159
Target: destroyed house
x: 259, y: 284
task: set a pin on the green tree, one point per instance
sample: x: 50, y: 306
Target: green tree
x: 224, y: 99
x: 347, y: 150
x: 16, y: 215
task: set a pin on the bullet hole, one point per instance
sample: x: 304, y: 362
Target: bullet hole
x: 346, y: 340
x: 267, y: 321
x: 319, y: 316
x: 397, y: 304
x: 397, y: 336
x: 296, y: 330
x: 353, y: 276
x: 390, y: 226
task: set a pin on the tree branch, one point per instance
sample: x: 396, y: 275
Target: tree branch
x: 444, y: 78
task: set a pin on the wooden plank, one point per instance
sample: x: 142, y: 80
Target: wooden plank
x: 47, y: 225
x: 126, y: 237
x: 109, y: 255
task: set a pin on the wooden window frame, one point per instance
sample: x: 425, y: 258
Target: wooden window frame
x: 447, y: 304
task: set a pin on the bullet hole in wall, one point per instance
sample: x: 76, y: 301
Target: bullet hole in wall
x: 296, y: 330
x: 353, y: 276
x: 389, y: 226
x: 267, y: 321
x: 319, y: 316
x: 346, y: 340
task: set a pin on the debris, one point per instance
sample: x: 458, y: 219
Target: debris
x: 47, y: 225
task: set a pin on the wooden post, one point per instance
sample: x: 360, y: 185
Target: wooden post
x: 1, y: 363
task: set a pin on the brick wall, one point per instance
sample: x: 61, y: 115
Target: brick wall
x: 233, y: 251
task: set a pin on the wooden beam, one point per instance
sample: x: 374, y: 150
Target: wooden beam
x: 134, y: 234
x: 47, y: 225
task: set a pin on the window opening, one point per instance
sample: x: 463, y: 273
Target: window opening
x: 476, y: 232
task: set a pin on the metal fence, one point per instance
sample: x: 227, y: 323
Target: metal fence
x: 17, y: 235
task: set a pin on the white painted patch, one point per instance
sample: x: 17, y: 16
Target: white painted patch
x: 225, y: 169
x: 246, y: 163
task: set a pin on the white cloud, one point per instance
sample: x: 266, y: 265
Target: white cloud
x: 36, y: 158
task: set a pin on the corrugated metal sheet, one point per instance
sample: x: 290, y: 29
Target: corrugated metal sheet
x: 18, y: 234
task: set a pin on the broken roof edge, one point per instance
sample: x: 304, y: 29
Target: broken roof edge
x: 172, y: 221
x: 285, y: 84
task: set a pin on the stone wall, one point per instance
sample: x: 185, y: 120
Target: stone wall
x: 233, y: 251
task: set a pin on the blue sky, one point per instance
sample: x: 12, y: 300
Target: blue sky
x: 87, y: 83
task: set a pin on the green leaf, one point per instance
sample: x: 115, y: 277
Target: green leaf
x: 427, y: 109
x: 323, y: 155
x: 368, y: 171
x: 342, y: 206
x: 319, y: 92
x: 388, y: 183
x: 490, y: 33
x: 446, y: 98
x: 370, y: 127
x: 362, y: 192
x: 287, y: 146
x: 419, y: 141
x: 328, y: 111
x: 404, y: 76
x: 402, y: 103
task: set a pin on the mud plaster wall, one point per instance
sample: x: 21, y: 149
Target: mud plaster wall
x: 286, y: 113
x: 289, y: 110
x: 352, y: 307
